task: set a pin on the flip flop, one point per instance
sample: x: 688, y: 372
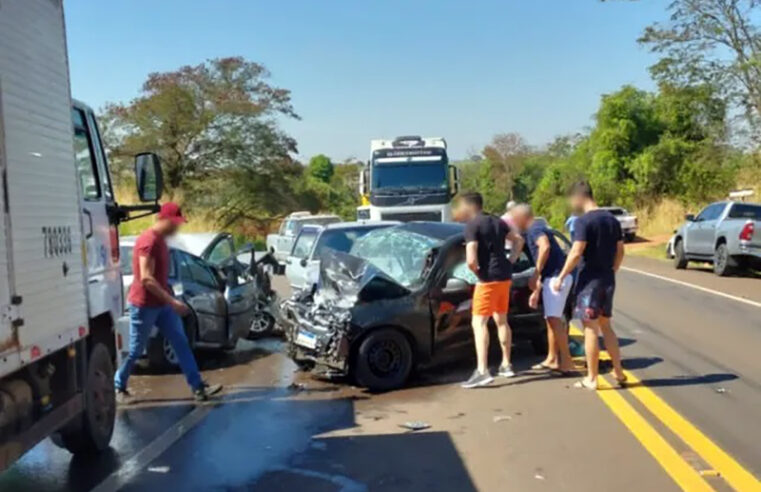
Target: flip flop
x: 583, y: 384
x: 564, y: 374
x: 541, y: 367
x: 621, y: 383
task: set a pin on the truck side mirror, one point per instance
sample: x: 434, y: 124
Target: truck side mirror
x: 148, y: 177
x: 363, y: 180
x: 454, y: 173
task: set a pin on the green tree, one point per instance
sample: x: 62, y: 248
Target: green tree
x: 204, y: 120
x: 712, y: 42
x: 321, y: 168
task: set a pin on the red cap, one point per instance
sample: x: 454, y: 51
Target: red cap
x: 172, y: 211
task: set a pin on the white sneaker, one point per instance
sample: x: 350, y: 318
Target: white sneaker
x: 506, y: 371
x: 477, y: 380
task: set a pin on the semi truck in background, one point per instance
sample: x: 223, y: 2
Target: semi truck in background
x: 408, y: 178
x: 60, y: 282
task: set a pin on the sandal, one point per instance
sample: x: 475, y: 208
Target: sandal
x: 541, y: 367
x: 584, y: 384
x: 558, y: 373
x: 621, y: 383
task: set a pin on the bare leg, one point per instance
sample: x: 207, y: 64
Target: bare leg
x: 558, y: 327
x: 592, y: 349
x: 481, y: 340
x: 505, y: 336
x: 611, y: 345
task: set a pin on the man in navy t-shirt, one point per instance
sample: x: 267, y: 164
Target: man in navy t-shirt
x: 549, y: 259
x: 598, y: 247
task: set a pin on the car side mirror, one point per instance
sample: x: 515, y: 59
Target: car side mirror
x: 689, y: 217
x: 148, y: 176
x: 456, y: 286
x: 303, y: 262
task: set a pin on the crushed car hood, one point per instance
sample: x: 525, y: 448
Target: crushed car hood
x: 347, y: 280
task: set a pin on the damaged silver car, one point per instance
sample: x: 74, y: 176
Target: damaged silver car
x: 401, y: 297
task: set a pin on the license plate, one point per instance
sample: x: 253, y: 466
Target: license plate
x: 306, y: 339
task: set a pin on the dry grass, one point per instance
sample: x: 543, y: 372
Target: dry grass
x: 661, y: 218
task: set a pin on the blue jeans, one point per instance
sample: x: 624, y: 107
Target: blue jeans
x: 169, y: 323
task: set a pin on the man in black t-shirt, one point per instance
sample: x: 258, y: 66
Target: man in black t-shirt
x: 485, y: 237
x: 598, y: 246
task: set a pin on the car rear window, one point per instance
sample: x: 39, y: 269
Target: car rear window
x: 745, y: 211
x: 617, y: 211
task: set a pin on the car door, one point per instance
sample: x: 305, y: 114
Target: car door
x: 240, y: 295
x: 701, y: 232
x: 201, y: 290
x: 220, y: 249
x: 297, y: 265
x: 451, y: 308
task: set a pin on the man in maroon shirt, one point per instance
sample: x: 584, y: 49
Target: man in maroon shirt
x: 151, y: 303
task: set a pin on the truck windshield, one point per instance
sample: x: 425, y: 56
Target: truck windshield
x: 410, y: 175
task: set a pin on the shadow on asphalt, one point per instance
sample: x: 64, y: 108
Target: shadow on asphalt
x: 707, y: 379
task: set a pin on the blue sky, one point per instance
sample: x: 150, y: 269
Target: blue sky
x: 464, y: 70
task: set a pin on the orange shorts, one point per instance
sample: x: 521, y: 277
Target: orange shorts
x: 491, y: 297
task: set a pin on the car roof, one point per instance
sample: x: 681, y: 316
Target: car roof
x: 302, y: 218
x: 436, y: 230
x: 359, y: 224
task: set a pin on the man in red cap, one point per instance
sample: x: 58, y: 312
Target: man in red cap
x: 151, y: 303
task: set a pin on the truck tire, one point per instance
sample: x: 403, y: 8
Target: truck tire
x: 91, y: 432
x: 383, y: 361
x: 160, y: 353
x: 629, y: 237
x: 680, y: 260
x: 723, y: 264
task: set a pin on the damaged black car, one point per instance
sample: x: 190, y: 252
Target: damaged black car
x: 400, y: 298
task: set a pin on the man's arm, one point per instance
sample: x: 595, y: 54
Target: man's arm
x: 619, y: 255
x: 147, y: 279
x: 542, y: 254
x: 471, y: 256
x: 574, y: 256
x: 517, y: 245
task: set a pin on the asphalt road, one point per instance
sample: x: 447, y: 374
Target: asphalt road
x: 691, y: 423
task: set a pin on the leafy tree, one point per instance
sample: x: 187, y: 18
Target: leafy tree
x: 506, y: 154
x: 202, y: 120
x: 712, y: 42
x: 321, y: 168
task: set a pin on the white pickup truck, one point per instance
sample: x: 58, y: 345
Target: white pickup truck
x: 60, y: 284
x: 281, y: 243
x: 628, y: 221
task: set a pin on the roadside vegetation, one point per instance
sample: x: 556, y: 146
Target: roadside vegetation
x: 660, y: 154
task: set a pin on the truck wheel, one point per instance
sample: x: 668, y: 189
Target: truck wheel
x: 680, y: 260
x: 383, y: 361
x: 723, y: 264
x: 160, y: 353
x: 629, y: 237
x: 91, y: 432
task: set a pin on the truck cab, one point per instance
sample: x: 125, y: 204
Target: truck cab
x: 408, y: 179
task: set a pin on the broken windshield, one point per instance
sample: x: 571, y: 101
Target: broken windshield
x: 399, y: 253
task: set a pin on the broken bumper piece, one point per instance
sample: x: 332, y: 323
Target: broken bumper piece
x: 317, y: 335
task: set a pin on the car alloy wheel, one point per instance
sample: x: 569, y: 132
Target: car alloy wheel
x: 169, y: 353
x: 385, y: 358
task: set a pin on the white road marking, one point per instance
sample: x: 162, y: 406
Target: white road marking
x: 142, y: 458
x: 696, y: 287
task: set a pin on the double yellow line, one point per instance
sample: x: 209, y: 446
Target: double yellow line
x: 687, y: 477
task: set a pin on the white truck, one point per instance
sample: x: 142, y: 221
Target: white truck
x: 60, y: 284
x: 408, y: 178
x: 281, y: 243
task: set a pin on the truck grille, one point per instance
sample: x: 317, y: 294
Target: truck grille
x: 412, y: 216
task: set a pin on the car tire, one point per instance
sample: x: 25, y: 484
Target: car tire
x: 723, y: 263
x: 262, y: 325
x: 680, y: 260
x: 539, y: 344
x: 161, y: 356
x: 383, y: 361
x: 91, y: 431
x: 629, y: 237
